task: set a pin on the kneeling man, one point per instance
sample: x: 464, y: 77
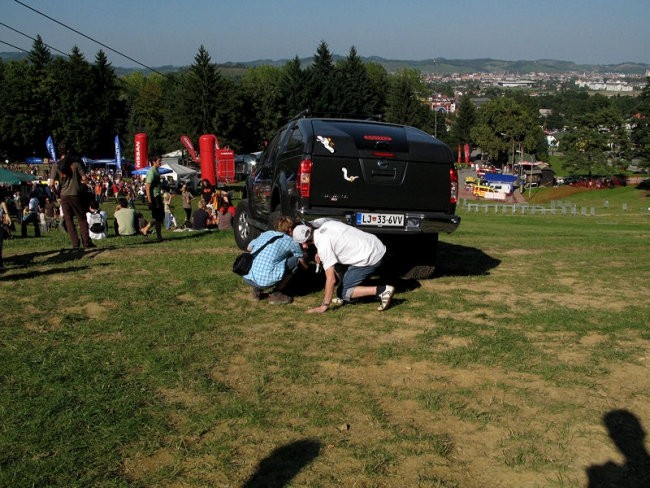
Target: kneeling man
x: 361, y: 252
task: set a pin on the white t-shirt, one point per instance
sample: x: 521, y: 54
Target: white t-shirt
x: 341, y: 243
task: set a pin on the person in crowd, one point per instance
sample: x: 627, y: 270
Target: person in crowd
x: 224, y: 218
x: 97, y: 222
x: 130, y: 195
x: 50, y: 213
x: 18, y: 206
x: 71, y: 174
x: 362, y: 253
x: 226, y: 201
x: 143, y: 224
x: 206, y: 191
x: 167, y: 204
x: 42, y: 221
x: 202, y: 219
x: 5, y: 223
x: 154, y: 196
x: 31, y: 215
x: 276, y: 264
x: 126, y: 223
x: 187, y: 198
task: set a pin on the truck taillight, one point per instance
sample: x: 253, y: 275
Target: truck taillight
x: 453, y: 185
x: 304, y: 178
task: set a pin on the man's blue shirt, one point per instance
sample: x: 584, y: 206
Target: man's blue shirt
x: 269, y: 265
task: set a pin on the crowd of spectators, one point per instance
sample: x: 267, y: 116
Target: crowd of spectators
x: 39, y: 205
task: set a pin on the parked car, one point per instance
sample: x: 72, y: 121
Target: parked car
x: 391, y: 180
x: 479, y: 191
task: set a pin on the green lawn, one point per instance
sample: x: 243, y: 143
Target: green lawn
x: 147, y: 364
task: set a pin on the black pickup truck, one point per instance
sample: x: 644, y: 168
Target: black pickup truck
x: 394, y: 181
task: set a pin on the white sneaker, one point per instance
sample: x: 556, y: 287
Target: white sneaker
x: 386, y: 296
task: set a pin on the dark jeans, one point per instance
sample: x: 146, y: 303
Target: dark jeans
x: 74, y: 206
x: 30, y: 217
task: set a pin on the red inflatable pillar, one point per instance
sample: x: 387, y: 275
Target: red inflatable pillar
x: 141, y: 151
x: 207, y: 154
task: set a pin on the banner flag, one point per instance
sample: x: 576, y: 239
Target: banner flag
x: 118, y: 154
x: 190, y: 148
x: 50, y: 148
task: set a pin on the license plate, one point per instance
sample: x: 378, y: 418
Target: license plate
x: 380, y: 219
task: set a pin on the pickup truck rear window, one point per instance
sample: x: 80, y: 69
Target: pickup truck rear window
x: 370, y: 136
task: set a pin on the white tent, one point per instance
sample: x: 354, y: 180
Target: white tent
x: 182, y: 174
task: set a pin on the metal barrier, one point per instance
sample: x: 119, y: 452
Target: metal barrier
x: 556, y: 208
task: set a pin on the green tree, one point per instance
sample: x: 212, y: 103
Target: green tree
x: 465, y: 118
x: 73, y: 103
x: 37, y: 105
x: 379, y: 82
x: 584, y: 149
x: 597, y: 142
x: 203, y: 99
x: 504, y: 127
x: 17, y: 132
x: 109, y: 106
x: 293, y: 91
x: 261, y: 105
x: 145, y: 100
x: 641, y: 130
x: 405, y: 101
x: 354, y: 89
x: 321, y: 82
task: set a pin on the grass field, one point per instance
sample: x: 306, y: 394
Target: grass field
x: 147, y: 364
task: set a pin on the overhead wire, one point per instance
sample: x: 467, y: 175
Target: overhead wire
x: 88, y: 37
x: 32, y: 38
x: 15, y: 47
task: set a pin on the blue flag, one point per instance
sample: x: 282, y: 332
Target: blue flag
x: 50, y: 148
x: 118, y: 154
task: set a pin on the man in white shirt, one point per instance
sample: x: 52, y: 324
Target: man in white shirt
x: 361, y: 252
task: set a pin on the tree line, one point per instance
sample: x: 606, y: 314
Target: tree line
x: 84, y: 105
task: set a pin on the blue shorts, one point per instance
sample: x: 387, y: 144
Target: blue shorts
x: 353, y: 277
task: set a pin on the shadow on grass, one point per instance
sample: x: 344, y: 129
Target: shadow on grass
x: 283, y: 464
x: 626, y: 431
x: 44, y: 258
x: 456, y: 260
x: 35, y: 274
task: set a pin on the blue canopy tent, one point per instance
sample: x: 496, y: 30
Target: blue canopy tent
x: 500, y: 178
x: 34, y: 160
x: 144, y: 171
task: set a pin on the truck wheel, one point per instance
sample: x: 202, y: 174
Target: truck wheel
x: 244, y: 231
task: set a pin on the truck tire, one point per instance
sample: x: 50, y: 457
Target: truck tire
x: 244, y: 230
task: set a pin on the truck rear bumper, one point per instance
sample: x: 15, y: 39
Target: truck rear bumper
x: 414, y: 222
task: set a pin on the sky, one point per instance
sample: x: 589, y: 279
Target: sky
x: 155, y: 33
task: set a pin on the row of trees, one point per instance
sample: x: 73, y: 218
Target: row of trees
x: 84, y: 105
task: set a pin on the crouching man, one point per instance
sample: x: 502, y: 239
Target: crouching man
x: 276, y: 264
x: 361, y: 252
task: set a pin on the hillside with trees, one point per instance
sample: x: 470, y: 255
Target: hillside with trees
x: 84, y: 104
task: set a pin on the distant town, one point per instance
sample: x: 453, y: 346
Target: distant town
x: 608, y: 82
